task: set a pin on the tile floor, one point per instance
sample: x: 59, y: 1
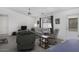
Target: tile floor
x: 11, y: 45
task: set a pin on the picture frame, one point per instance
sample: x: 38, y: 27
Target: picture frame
x: 38, y: 22
x: 57, y: 21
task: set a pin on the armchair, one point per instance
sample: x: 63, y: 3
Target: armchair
x: 25, y: 40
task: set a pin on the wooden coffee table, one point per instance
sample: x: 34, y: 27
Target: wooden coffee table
x: 44, y: 41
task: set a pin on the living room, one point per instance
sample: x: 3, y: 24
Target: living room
x: 42, y: 22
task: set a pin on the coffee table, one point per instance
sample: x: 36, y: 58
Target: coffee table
x: 44, y: 41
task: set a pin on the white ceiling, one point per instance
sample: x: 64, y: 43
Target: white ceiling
x: 38, y: 10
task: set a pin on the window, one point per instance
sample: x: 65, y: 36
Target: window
x: 73, y: 24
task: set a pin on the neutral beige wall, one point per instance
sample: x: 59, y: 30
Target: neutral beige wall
x: 15, y: 20
x: 3, y: 24
x: 63, y: 26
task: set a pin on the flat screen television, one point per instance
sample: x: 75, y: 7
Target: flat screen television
x: 23, y: 27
